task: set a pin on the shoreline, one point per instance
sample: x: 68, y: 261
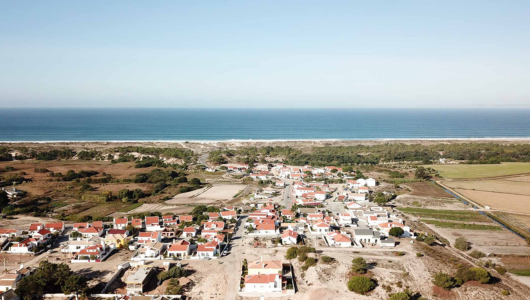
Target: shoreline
x: 511, y: 139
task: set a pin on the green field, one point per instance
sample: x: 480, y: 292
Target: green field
x: 520, y: 272
x: 478, y: 171
x: 452, y: 225
x: 453, y: 215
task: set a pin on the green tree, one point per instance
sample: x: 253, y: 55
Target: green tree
x: 75, y: 284
x: 396, y: 231
x: 359, y: 265
x: 361, y: 285
x: 421, y: 173
x: 474, y: 274
x: 380, y: 198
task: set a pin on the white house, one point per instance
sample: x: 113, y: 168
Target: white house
x: 337, y: 239
x: 265, y: 228
x: 217, y: 225
x: 152, y: 224
x: 151, y: 250
x: 181, y: 249
x: 345, y: 219
x: 121, y: 223
x: 371, y: 182
x: 385, y: 228
x: 289, y: 237
x: 229, y: 215
x: 208, y: 250
x: 146, y: 237
x: 321, y: 227
x: 364, y: 190
x: 263, y: 283
x: 366, y: 236
x: 24, y: 247
x: 189, y: 232
x: 358, y: 197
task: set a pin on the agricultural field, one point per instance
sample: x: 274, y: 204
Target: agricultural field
x: 481, y: 171
x: 499, y: 201
x: 495, y: 186
x: 427, y: 189
x: 208, y: 195
x: 452, y: 215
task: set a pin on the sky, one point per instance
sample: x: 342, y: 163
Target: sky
x: 270, y: 54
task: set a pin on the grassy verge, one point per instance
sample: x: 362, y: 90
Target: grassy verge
x: 452, y: 225
x: 453, y: 215
x: 131, y: 207
x: 520, y: 272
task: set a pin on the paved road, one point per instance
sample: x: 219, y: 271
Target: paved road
x: 232, y: 262
x: 287, y: 200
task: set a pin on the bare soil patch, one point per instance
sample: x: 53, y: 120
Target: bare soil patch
x: 427, y: 189
x: 500, y: 201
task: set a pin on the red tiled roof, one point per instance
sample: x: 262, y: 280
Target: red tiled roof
x: 121, y: 221
x: 260, y: 279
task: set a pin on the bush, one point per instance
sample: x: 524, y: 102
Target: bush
x: 396, y: 231
x: 359, y: 265
x: 310, y: 261
x: 473, y: 274
x: 505, y: 293
x: 292, y: 253
x: 361, y: 285
x: 462, y: 244
x: 400, y: 296
x: 500, y: 269
x: 327, y: 259
x: 430, y: 240
x: 477, y: 254
x: 444, y: 281
x: 419, y: 254
x: 302, y: 257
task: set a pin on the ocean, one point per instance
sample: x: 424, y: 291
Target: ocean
x: 143, y: 124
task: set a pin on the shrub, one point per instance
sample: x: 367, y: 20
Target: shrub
x: 500, y: 269
x: 444, y: 281
x: 419, y: 254
x: 327, y: 259
x: 430, y: 240
x: 310, y: 261
x: 473, y: 274
x: 359, y: 265
x: 361, y: 285
x: 400, y: 296
x: 505, y: 293
x: 400, y: 253
x: 461, y: 244
x: 396, y: 231
x: 477, y: 254
x: 302, y: 257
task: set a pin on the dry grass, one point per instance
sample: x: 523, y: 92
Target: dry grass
x: 499, y: 201
x: 427, y: 189
x: 498, y: 186
x: 481, y: 171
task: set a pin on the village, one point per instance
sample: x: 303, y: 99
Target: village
x: 302, y: 213
x: 263, y: 230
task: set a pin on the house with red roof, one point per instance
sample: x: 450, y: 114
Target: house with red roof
x: 213, y: 216
x: 78, y: 226
x: 185, y: 218
x: 338, y: 239
x: 289, y: 237
x: 189, y: 232
x: 42, y: 234
x: 33, y: 228
x: 5, y: 232
x: 95, y: 253
x: 120, y: 223
x: 91, y: 232
x: 152, y: 224
x: 229, y: 215
x: 55, y: 227
x: 145, y: 237
x: 181, y: 249
x: 217, y: 225
x: 321, y: 227
x: 263, y: 283
x: 24, y: 247
x: 288, y: 214
x: 208, y: 250
x: 363, y: 190
x: 265, y: 228
x: 137, y: 223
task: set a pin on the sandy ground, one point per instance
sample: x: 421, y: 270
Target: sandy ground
x: 159, y: 208
x: 500, y: 201
x: 499, y: 242
x: 496, y: 186
x: 208, y: 195
x: 22, y: 222
x: 430, y: 202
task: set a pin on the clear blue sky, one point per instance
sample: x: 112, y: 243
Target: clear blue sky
x: 265, y: 54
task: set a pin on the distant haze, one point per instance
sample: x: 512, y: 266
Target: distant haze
x: 275, y: 54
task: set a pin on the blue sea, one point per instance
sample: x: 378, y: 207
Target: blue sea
x: 259, y: 124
